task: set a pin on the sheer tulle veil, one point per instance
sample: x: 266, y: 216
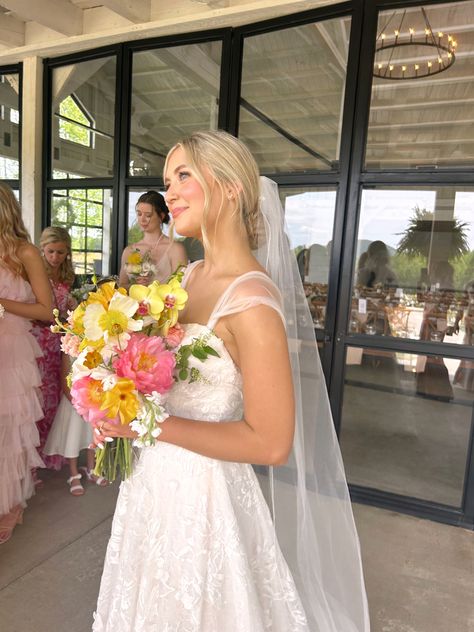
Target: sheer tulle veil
x: 309, y: 496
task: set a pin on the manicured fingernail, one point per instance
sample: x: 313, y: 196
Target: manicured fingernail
x: 108, y: 439
x: 97, y: 432
x: 100, y: 445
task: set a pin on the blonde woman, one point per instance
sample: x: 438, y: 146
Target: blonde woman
x: 25, y: 294
x: 55, y: 246
x: 194, y: 544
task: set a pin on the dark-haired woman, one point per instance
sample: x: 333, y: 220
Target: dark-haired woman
x: 155, y: 256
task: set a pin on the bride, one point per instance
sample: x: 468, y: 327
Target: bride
x: 201, y: 540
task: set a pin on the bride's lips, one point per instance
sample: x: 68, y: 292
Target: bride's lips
x: 176, y: 212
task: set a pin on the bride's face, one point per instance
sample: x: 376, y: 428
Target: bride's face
x: 185, y: 196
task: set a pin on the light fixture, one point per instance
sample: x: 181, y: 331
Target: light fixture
x: 441, y: 47
x: 139, y: 166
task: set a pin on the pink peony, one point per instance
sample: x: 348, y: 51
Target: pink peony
x: 70, y: 345
x: 148, y: 363
x: 174, y: 336
x: 87, y: 395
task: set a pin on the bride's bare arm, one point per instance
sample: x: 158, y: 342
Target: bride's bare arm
x: 265, y: 435
x: 43, y: 309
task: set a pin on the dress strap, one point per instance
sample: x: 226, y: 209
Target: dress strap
x: 246, y: 291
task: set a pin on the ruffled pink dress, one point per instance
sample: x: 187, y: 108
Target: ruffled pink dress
x: 20, y: 404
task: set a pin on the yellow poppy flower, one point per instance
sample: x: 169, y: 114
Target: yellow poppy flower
x: 134, y: 258
x: 121, y: 400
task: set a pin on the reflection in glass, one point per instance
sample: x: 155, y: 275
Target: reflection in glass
x: 406, y: 424
x: 309, y: 215
x: 83, y: 118
x: 86, y: 214
x: 9, y: 127
x: 175, y: 92
x: 292, y: 96
x: 414, y: 261
x: 423, y: 121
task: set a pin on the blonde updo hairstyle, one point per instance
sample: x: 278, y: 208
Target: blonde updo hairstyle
x: 13, y: 233
x: 51, y: 235
x: 231, y: 165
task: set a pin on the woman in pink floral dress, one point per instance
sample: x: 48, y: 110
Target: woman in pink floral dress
x: 55, y: 245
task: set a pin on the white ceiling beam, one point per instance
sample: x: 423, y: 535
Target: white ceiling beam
x: 136, y: 11
x: 12, y: 31
x: 60, y: 15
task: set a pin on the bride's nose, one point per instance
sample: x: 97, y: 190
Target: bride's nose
x: 170, y: 194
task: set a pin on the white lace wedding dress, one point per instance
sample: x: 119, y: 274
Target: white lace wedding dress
x: 193, y: 547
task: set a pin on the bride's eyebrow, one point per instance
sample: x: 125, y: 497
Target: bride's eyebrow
x: 176, y: 170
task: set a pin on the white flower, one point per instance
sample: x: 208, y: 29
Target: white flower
x: 114, y: 323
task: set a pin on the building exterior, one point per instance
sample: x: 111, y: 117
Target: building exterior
x: 362, y: 111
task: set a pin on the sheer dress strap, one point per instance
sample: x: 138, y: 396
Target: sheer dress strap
x: 247, y: 291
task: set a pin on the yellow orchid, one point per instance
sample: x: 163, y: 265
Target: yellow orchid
x: 121, y: 400
x: 174, y: 299
x: 112, y: 322
x: 150, y: 296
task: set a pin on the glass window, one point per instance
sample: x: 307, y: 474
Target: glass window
x: 309, y: 216
x: 175, y: 92
x: 420, y: 117
x: 83, y: 111
x: 9, y: 127
x: 74, y: 123
x: 292, y: 96
x: 414, y: 266
x: 406, y: 423
x: 86, y: 214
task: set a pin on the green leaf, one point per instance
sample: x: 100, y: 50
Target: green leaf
x: 199, y: 353
x: 183, y: 374
x: 210, y: 351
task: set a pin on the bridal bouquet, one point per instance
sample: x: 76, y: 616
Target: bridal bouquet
x: 124, y: 347
x: 139, y: 264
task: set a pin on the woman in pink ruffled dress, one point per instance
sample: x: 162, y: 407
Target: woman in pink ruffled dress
x: 24, y: 294
x: 55, y: 245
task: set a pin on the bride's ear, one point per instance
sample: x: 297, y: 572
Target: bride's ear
x: 232, y: 190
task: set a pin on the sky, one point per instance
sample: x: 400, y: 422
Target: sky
x: 384, y: 214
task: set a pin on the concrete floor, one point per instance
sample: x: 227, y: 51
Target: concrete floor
x: 419, y: 574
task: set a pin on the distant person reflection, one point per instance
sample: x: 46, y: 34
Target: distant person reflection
x: 374, y: 269
x: 433, y: 380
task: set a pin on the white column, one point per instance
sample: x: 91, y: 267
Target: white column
x: 32, y: 136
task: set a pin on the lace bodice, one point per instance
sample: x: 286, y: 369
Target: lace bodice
x: 217, y: 394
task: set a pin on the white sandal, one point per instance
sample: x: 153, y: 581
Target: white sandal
x: 98, y: 480
x: 77, y: 489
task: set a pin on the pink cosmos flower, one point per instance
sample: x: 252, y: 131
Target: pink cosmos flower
x: 87, y: 395
x: 174, y: 336
x: 148, y: 363
x: 70, y: 345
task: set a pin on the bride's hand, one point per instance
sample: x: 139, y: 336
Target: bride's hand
x: 106, y: 431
